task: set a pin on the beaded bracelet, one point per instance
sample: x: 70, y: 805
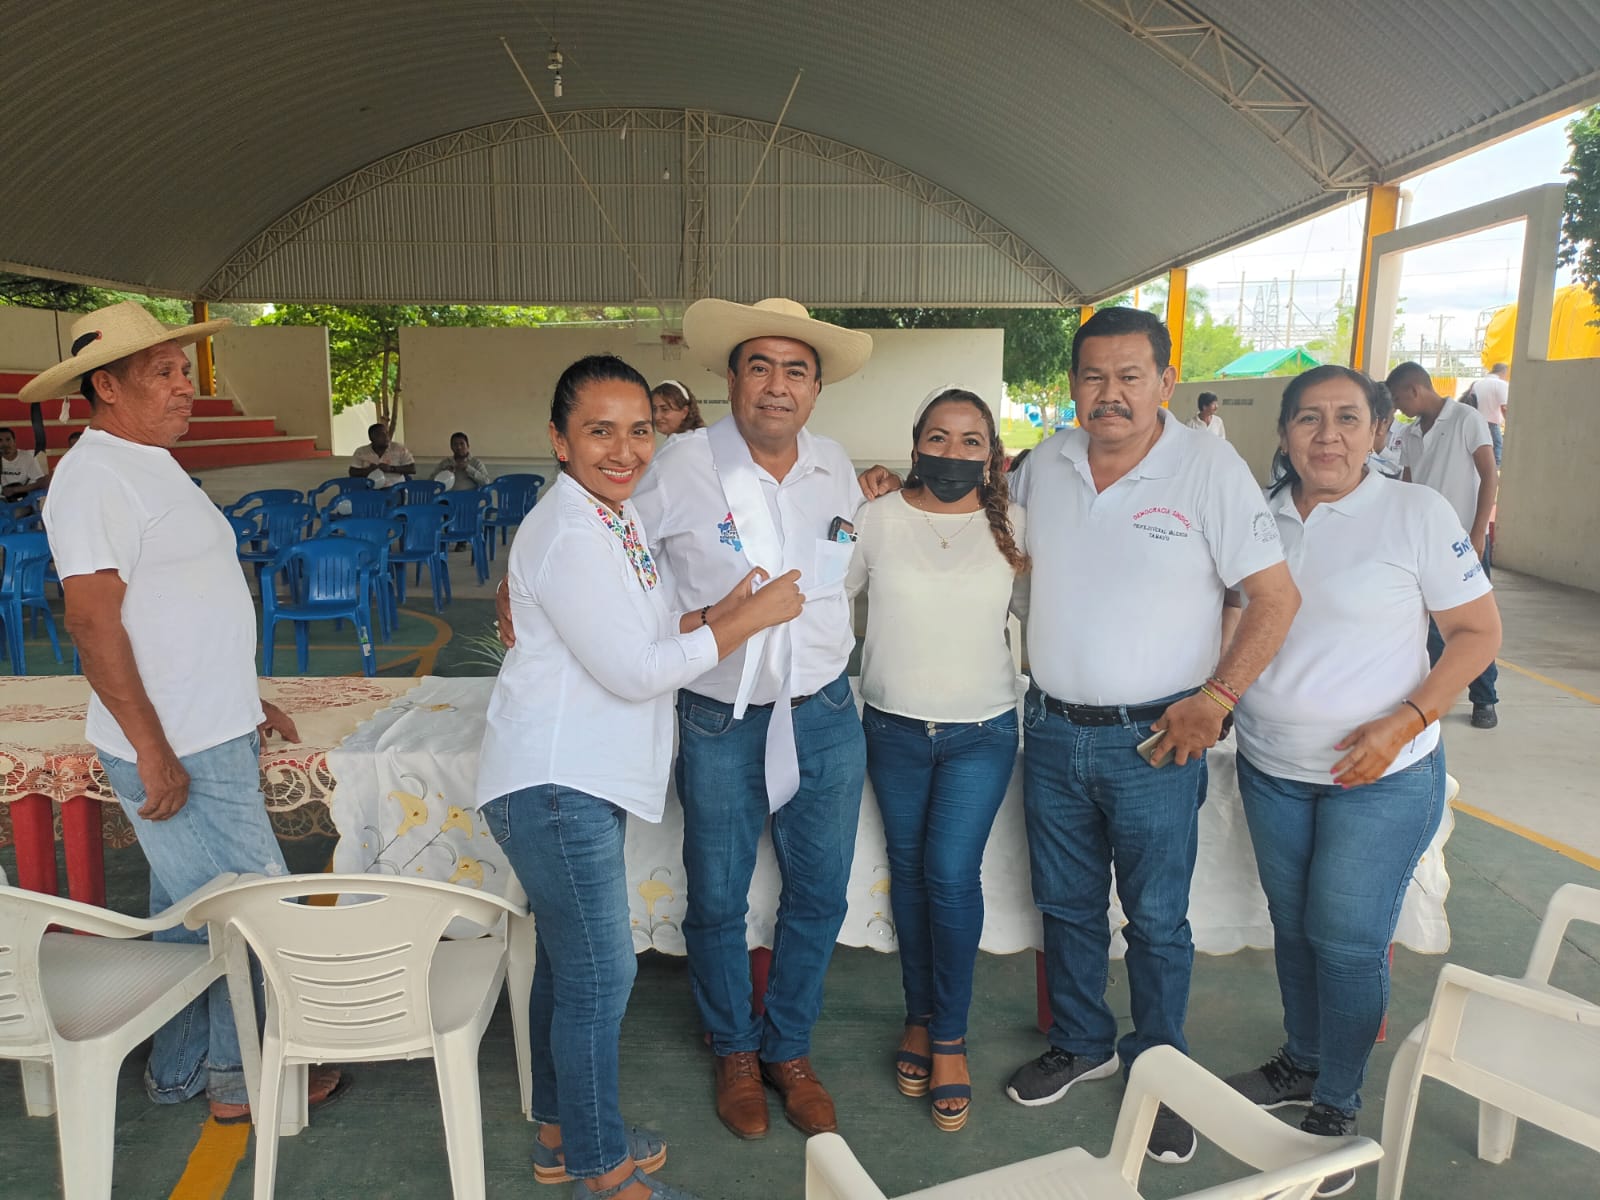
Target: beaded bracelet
x: 703, y: 612
x: 1230, y: 692
x: 1205, y: 690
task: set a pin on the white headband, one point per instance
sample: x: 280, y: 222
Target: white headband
x: 682, y: 391
x: 934, y: 395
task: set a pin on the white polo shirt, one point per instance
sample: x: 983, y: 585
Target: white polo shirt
x: 697, y: 544
x: 122, y: 506
x: 1441, y: 459
x: 1126, y: 602
x: 584, y: 698
x: 1370, y: 568
x: 1491, y: 392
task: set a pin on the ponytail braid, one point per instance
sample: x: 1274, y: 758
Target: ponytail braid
x: 996, y: 497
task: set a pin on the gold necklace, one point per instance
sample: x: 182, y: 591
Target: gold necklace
x: 944, y: 542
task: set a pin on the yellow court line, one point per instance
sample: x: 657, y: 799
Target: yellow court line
x: 212, y: 1162
x: 1522, y: 831
x: 1555, y: 683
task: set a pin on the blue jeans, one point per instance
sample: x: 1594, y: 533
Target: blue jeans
x: 939, y: 788
x: 722, y: 783
x: 1092, y: 802
x: 1335, y: 864
x: 222, y: 828
x: 1482, y: 689
x: 566, y: 848
x: 1494, y: 436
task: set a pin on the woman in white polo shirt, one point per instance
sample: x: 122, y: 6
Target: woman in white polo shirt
x: 1340, y: 763
x: 579, y: 737
x: 939, y: 561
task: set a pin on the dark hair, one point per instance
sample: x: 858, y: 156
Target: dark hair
x: 733, y: 355
x: 376, y: 425
x: 1017, y: 459
x: 1382, y: 400
x: 993, y: 491
x: 593, y: 368
x: 462, y: 436
x: 1283, y: 472
x: 1114, y: 322
x: 1408, y: 373
x: 117, y: 367
x: 681, y: 399
x: 1204, y: 400
x: 8, y: 429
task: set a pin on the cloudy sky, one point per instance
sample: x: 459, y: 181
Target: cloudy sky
x: 1459, y: 281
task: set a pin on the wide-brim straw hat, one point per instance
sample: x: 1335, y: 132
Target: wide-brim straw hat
x: 712, y: 328
x: 104, y: 336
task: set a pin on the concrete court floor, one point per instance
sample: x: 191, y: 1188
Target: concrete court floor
x: 1526, y: 824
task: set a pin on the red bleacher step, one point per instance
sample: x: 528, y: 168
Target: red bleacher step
x: 237, y: 452
x: 15, y: 412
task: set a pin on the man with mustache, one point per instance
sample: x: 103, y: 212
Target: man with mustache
x: 1145, y: 524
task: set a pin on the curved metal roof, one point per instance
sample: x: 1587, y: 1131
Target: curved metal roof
x: 946, y: 152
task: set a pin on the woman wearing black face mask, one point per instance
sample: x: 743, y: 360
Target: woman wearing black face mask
x: 940, y: 561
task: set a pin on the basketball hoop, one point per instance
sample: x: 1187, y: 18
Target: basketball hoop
x: 671, y: 344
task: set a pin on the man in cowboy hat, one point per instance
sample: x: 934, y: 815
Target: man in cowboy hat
x: 166, y: 628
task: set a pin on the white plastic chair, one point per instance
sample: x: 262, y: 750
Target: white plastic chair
x: 1290, y: 1163
x: 1523, y: 1048
x: 71, y: 1008
x: 366, y: 980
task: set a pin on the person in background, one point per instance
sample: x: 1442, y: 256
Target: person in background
x: 1206, y: 418
x: 1384, y: 457
x: 675, y: 409
x: 382, y: 461
x: 1492, y: 392
x: 940, y: 561
x: 20, y: 472
x: 462, y: 468
x: 1340, y: 762
x: 1448, y: 448
x: 1138, y: 527
x: 579, y: 737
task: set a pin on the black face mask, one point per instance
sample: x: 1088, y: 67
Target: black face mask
x: 949, y: 479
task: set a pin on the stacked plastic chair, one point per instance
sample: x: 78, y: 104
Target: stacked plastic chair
x: 325, y: 579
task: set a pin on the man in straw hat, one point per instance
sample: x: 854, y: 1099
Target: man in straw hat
x: 773, y: 728
x: 164, y: 622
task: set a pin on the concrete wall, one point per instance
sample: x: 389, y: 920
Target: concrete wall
x: 1249, y: 410
x: 496, y: 383
x: 279, y: 371
x: 1549, y: 510
x: 27, y: 338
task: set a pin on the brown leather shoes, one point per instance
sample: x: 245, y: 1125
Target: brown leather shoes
x: 805, y: 1101
x: 741, y: 1103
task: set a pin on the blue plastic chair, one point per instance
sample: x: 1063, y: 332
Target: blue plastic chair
x: 325, y: 579
x: 26, y: 555
x: 422, y: 544
x: 512, y: 499
x: 262, y: 498
x: 467, y: 510
x: 373, y: 502
x: 278, y: 526
x: 381, y: 533
x: 418, y: 491
x: 319, y: 496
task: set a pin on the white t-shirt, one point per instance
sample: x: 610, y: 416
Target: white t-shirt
x: 24, y: 468
x: 1126, y: 603
x: 1370, y: 568
x: 697, y: 542
x: 936, y: 645
x: 394, y: 455
x: 584, y: 699
x: 1214, y: 429
x: 187, y: 609
x: 1442, y: 458
x: 1491, y: 392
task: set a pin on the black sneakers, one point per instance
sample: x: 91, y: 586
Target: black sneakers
x: 1327, y: 1121
x: 1484, y: 717
x: 1172, y: 1138
x: 1274, y: 1083
x: 1047, y: 1078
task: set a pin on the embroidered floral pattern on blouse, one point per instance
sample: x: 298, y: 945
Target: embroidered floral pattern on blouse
x: 643, y: 565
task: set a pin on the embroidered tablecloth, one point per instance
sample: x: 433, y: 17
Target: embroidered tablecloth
x: 403, y: 806
x: 42, y: 748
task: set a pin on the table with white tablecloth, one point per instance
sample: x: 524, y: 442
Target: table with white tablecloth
x: 403, y: 806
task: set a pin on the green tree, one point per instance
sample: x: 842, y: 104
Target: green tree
x: 364, y: 339
x: 1038, y: 341
x: 26, y: 291
x: 1580, y: 225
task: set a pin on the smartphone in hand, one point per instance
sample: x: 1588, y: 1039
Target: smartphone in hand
x: 1153, y: 752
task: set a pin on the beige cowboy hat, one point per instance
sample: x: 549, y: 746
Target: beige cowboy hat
x: 712, y: 328
x: 104, y: 336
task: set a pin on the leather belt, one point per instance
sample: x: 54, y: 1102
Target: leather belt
x: 1099, y: 714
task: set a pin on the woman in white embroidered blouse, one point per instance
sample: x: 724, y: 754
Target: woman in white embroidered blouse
x: 939, y: 561
x: 579, y: 736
